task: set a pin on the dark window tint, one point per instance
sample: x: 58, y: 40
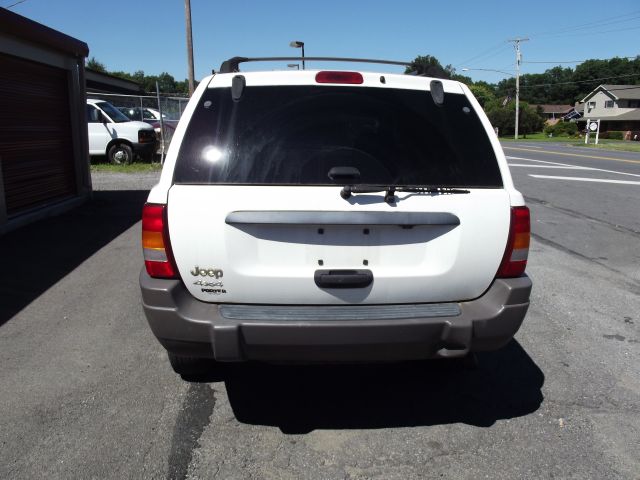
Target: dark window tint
x: 116, y: 115
x: 294, y: 135
x: 92, y: 114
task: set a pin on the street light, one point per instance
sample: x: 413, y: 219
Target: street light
x: 293, y: 65
x: 298, y: 44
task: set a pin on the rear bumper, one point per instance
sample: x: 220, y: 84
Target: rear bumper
x: 186, y: 326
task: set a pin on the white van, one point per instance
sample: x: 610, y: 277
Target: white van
x: 112, y: 134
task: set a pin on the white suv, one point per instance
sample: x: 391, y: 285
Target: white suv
x: 333, y: 216
x: 113, y: 134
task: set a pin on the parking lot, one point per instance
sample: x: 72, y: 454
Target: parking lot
x: 87, y: 392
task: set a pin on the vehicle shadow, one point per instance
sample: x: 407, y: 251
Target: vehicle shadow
x: 298, y: 399
x: 36, y: 256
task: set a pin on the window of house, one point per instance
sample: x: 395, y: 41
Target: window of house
x: 608, y: 104
x: 591, y: 106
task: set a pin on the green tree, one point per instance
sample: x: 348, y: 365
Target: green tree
x: 429, y: 66
x: 94, y: 64
x: 614, y: 71
x: 167, y: 83
x: 121, y: 74
x: 503, y: 117
x: 530, y: 120
x: 483, y: 93
x: 561, y: 85
x: 500, y: 117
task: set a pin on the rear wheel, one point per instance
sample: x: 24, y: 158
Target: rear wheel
x: 190, y: 366
x: 469, y: 361
x: 120, y: 154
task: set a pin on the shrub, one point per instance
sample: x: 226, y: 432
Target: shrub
x: 562, y: 129
x: 615, y: 135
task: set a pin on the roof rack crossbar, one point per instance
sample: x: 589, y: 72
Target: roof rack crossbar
x: 233, y: 64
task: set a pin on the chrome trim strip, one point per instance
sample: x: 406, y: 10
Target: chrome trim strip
x: 338, y: 312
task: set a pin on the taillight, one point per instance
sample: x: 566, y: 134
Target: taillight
x: 158, y: 258
x: 515, y: 255
x: 353, y: 78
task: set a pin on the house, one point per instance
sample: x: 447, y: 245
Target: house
x: 616, y: 106
x: 553, y: 113
x: 44, y: 164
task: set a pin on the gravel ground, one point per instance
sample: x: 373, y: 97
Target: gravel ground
x: 124, y: 181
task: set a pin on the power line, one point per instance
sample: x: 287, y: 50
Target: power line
x: 500, y: 46
x: 557, y: 63
x: 582, y: 61
x: 582, y: 34
x: 16, y: 3
x: 583, y: 81
x: 597, y: 24
x: 616, y: 19
x: 622, y: 18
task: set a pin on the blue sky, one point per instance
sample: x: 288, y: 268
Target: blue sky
x: 150, y: 35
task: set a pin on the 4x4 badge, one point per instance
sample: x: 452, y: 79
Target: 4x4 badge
x: 203, y: 272
x: 203, y: 283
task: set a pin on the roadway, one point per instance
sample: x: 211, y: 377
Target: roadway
x: 586, y: 201
x: 87, y: 391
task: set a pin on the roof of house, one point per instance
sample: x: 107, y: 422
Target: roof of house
x: 620, y: 92
x: 632, y: 115
x: 23, y: 28
x: 554, y: 108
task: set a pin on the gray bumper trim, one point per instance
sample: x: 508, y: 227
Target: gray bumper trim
x: 298, y: 217
x: 186, y: 326
x: 330, y: 312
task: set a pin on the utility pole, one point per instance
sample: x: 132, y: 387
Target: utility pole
x: 516, y: 44
x: 187, y: 13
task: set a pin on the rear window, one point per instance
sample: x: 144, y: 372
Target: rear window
x: 294, y: 135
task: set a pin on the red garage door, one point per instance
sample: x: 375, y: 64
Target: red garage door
x: 36, y: 147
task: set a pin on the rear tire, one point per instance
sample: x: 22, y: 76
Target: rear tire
x: 469, y: 361
x: 190, y: 366
x: 120, y: 154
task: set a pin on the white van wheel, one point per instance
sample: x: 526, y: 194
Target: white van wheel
x: 120, y: 154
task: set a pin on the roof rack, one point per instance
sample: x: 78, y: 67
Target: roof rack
x: 233, y: 64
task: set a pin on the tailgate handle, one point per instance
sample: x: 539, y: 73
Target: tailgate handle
x: 343, y: 278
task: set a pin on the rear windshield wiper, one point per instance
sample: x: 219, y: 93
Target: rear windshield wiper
x: 390, y: 190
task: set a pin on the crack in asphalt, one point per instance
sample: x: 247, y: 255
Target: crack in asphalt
x: 573, y: 213
x: 193, y: 418
x: 630, y: 282
x: 607, y: 406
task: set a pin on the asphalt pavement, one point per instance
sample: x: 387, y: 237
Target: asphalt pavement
x: 87, y: 391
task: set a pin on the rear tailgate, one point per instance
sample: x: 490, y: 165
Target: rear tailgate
x: 231, y: 258
x: 254, y: 211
